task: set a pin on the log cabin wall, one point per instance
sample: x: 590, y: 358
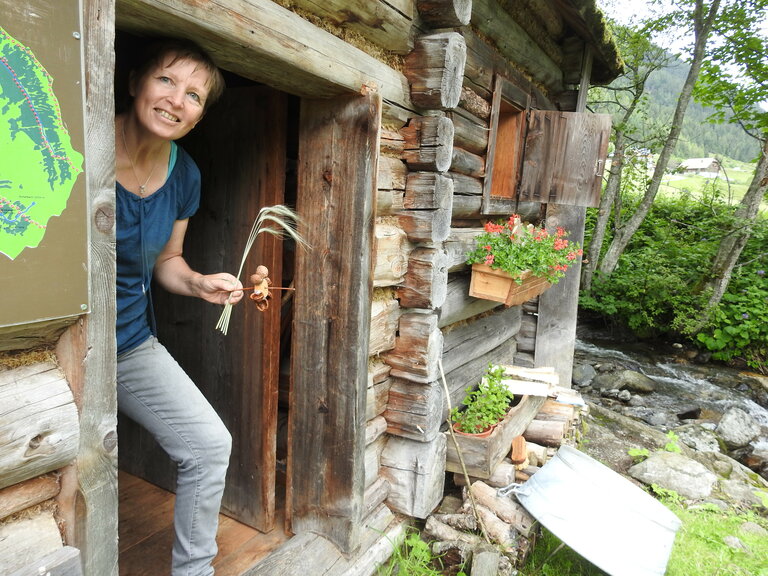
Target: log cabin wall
x: 434, y: 64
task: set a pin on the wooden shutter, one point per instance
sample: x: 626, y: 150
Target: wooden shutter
x: 505, y: 147
x: 564, y: 157
x: 338, y: 153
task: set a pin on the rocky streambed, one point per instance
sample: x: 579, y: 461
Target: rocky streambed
x: 703, y: 427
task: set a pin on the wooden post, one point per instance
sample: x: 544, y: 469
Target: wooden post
x: 558, y: 306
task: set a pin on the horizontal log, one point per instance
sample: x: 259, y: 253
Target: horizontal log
x: 414, y: 410
x: 459, y: 305
x: 445, y: 13
x: 442, y: 532
x: 503, y: 475
x: 27, y: 494
x: 552, y: 410
x: 374, y: 495
x: 466, y: 185
x: 470, y: 132
x: 62, y: 562
x: 418, y: 347
x: 416, y: 474
x: 374, y: 429
x: 474, y: 103
x: 26, y: 539
x: 545, y: 432
x: 428, y: 190
x: 39, y: 425
x: 498, y: 531
x: 388, y: 202
x: 385, y: 315
x: 514, y: 44
x: 391, y: 250
x: 392, y: 174
x: 425, y: 283
x: 465, y: 162
x: 435, y: 70
x: 466, y: 208
x: 376, y: 399
x: 476, y: 337
x: 503, y: 507
x: 459, y: 243
x: 428, y: 226
x: 378, y: 22
x: 265, y: 42
x: 391, y: 143
x: 428, y: 143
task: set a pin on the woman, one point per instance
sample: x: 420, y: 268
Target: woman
x: 158, y: 189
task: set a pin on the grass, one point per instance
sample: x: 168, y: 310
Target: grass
x: 413, y: 558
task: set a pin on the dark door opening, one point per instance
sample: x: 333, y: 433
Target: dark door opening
x: 245, y: 147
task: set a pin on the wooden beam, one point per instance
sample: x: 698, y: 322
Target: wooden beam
x: 386, y: 25
x: 514, y: 44
x: 26, y: 494
x: 27, y: 538
x: 87, y: 351
x: 338, y: 151
x: 424, y: 285
x: 261, y: 40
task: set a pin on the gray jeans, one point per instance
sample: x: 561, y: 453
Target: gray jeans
x: 154, y: 391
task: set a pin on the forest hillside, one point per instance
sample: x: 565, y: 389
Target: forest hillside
x: 699, y: 138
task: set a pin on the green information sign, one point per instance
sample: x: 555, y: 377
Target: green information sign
x: 43, y: 221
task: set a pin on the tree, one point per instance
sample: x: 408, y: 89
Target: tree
x: 700, y: 16
x: 735, y: 80
x: 623, y: 99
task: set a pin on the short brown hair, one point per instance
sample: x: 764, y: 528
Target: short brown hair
x: 156, y: 52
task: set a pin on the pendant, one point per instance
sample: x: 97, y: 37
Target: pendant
x: 142, y: 190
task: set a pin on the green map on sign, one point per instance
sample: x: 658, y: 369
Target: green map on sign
x: 38, y: 165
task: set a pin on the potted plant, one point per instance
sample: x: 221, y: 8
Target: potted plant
x: 512, y: 262
x: 485, y: 406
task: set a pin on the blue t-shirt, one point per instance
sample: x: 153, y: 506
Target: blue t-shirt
x: 144, y: 226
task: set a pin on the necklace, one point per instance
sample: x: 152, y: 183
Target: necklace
x: 142, y: 187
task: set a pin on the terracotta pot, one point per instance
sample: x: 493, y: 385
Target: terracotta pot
x: 483, y: 434
x: 498, y: 286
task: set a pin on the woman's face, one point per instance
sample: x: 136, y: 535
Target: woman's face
x: 169, y: 100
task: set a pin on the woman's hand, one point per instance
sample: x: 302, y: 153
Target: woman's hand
x: 221, y: 288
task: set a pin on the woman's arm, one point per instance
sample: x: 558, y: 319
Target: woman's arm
x: 174, y: 274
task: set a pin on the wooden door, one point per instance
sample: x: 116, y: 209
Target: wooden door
x: 240, y: 147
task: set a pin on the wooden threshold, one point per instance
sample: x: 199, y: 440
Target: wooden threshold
x: 146, y: 534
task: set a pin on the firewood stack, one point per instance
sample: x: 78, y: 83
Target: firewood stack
x: 488, y: 507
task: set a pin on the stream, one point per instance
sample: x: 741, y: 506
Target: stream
x: 685, y: 391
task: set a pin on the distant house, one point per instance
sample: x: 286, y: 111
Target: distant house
x: 700, y: 166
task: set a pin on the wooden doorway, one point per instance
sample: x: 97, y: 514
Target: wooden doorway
x: 241, y: 147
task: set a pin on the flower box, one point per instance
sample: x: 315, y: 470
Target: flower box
x: 498, y: 286
x: 482, y: 454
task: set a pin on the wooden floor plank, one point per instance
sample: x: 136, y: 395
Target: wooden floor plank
x: 146, y: 534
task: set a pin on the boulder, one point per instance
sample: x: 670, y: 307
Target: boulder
x: 737, y: 428
x: 634, y: 382
x: 676, y: 472
x: 582, y: 375
x: 698, y: 438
